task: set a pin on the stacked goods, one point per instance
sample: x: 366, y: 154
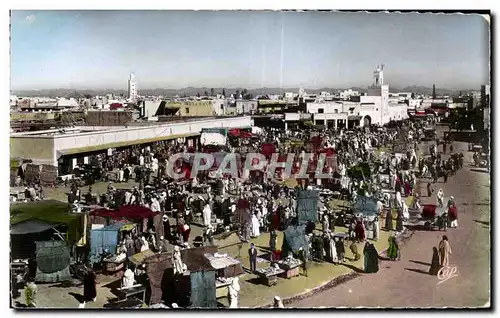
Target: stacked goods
x: 48, y: 175
x: 31, y: 173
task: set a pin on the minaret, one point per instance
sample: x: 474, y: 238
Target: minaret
x: 378, y: 76
x: 132, y: 87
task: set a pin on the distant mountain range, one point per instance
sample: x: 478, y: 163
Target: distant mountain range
x: 191, y: 91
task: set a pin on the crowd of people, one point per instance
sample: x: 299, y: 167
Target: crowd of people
x: 363, y: 165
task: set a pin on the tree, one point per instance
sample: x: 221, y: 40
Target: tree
x: 412, y: 95
x: 244, y: 92
x: 223, y: 92
x: 206, y: 93
x: 237, y: 94
x: 433, y: 91
x: 198, y: 94
x: 211, y: 92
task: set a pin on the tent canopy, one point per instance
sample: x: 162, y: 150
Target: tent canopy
x: 366, y: 205
x: 294, y: 239
x: 30, y: 226
x: 134, y: 212
x: 307, y: 205
x: 51, y: 212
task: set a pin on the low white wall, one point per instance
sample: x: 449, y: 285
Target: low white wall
x: 64, y: 142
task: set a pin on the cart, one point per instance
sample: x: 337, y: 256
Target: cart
x: 431, y: 219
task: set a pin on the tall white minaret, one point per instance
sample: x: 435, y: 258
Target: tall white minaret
x: 378, y: 75
x: 132, y: 87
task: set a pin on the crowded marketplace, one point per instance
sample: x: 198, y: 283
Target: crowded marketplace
x: 326, y: 199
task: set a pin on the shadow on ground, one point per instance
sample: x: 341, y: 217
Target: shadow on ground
x: 78, y: 297
x: 354, y: 268
x: 486, y: 224
x: 68, y: 284
x: 421, y: 263
x: 417, y: 271
x: 480, y: 170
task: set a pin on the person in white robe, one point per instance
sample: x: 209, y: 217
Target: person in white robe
x: 233, y: 292
x: 255, y: 226
x: 145, y: 244
x: 128, y: 279
x: 155, y: 205
x: 120, y: 175
x: 376, y: 229
x: 399, y: 201
x: 179, y: 266
x: 207, y: 215
x: 440, y: 198
x: 406, y: 212
x: 141, y: 160
x: 278, y: 303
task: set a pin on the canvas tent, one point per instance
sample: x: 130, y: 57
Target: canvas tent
x: 366, y: 205
x: 50, y: 212
x: 294, y: 239
x: 102, y: 239
x: 23, y: 236
x: 307, y: 205
x: 52, y: 259
x: 195, y: 290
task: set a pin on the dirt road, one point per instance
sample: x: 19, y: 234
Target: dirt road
x: 406, y: 283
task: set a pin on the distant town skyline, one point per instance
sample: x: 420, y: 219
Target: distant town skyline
x: 249, y: 49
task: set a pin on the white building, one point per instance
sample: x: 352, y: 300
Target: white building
x: 63, y: 102
x: 289, y: 95
x: 373, y: 108
x: 132, y: 87
x: 348, y: 93
x: 246, y: 107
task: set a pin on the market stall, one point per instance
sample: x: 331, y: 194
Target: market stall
x: 226, y: 268
x: 269, y: 276
x: 290, y: 266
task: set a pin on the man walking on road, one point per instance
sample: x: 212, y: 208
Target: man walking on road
x: 444, y: 252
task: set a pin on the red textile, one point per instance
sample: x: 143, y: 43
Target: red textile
x: 135, y: 212
x: 268, y: 150
x: 235, y: 132
x: 452, y: 213
x: 429, y: 211
x: 243, y: 204
x: 276, y: 220
x: 360, y: 231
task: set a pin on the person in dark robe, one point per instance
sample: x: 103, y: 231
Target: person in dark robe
x: 137, y: 244
x: 273, y: 241
x: 367, y: 258
x: 89, y: 288
x: 435, y: 267
x: 399, y: 221
x: 129, y: 244
x: 339, y: 246
x: 332, y: 223
x: 430, y: 190
x: 303, y: 258
x: 360, y: 231
x: 388, y: 220
x: 167, y: 230
x: 374, y: 259
x: 276, y: 219
x: 252, y: 253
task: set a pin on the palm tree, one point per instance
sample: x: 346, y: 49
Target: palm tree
x: 211, y: 92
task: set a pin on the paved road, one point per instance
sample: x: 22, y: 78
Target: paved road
x: 405, y: 283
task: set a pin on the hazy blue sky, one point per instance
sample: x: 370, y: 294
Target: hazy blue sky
x: 175, y: 49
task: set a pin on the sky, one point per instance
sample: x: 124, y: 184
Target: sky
x: 247, y: 49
